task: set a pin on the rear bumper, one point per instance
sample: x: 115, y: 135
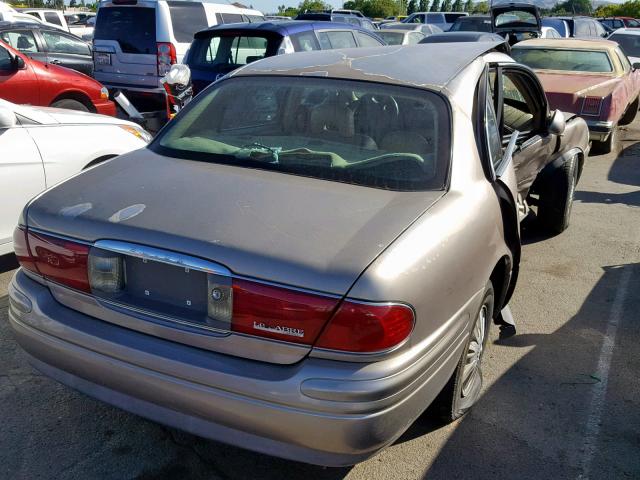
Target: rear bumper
x: 226, y: 398
x: 599, y: 131
x: 105, y: 107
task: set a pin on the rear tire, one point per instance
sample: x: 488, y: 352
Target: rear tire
x: 556, y: 197
x: 465, y: 385
x: 630, y: 115
x: 70, y: 104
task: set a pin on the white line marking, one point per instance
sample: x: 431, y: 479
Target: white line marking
x: 604, y: 364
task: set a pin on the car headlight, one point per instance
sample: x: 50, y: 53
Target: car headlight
x: 139, y: 132
x: 104, y: 93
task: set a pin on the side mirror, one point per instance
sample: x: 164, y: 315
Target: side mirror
x: 179, y: 75
x: 7, y: 118
x: 18, y: 62
x: 557, y: 123
x: 636, y: 65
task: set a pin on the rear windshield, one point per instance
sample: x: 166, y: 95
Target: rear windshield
x: 630, y: 44
x: 566, y: 60
x: 362, y: 133
x: 516, y: 18
x: 228, y: 52
x: 134, y: 28
x: 471, y: 24
x: 187, y: 18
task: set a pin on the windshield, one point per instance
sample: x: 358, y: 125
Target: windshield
x: 630, y: 44
x: 471, y: 24
x: 227, y: 52
x: 134, y: 28
x: 563, y: 59
x: 360, y: 133
x: 392, y: 38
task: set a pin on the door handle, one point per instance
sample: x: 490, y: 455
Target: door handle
x: 55, y: 62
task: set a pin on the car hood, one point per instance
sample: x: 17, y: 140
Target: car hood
x: 293, y: 230
x: 57, y: 116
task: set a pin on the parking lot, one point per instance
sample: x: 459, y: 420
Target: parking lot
x: 561, y: 398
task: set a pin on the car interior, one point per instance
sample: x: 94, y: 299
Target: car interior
x: 392, y: 136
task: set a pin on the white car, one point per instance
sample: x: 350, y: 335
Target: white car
x: 43, y: 146
x: 629, y: 41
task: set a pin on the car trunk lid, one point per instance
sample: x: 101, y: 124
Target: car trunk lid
x: 294, y: 231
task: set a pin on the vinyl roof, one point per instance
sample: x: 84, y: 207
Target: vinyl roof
x: 426, y: 65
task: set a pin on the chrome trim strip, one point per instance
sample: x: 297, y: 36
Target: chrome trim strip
x: 166, y: 318
x: 57, y: 235
x: 163, y: 256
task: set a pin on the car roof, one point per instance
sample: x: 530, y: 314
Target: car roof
x: 573, y: 43
x: 466, y: 37
x: 390, y: 64
x: 5, y: 25
x: 627, y: 31
x: 282, y: 26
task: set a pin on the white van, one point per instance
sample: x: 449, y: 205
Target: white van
x: 51, y: 17
x: 136, y: 41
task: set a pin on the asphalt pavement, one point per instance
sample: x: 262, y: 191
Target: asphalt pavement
x: 561, y: 398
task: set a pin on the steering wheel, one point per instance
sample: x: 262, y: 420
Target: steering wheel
x: 385, y: 104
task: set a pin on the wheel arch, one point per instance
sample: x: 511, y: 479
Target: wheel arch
x: 78, y: 96
x: 98, y: 160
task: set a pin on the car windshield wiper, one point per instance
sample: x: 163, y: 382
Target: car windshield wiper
x: 249, y: 151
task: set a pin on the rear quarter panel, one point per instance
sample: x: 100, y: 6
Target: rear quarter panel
x: 55, y: 81
x: 442, y: 262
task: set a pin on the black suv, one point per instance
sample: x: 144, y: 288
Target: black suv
x: 48, y: 45
x: 353, y: 17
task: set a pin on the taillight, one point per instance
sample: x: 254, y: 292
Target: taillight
x: 279, y: 313
x: 56, y: 259
x: 591, y: 105
x: 21, y: 248
x: 166, y: 57
x: 363, y: 327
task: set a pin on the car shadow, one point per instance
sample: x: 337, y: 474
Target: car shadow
x: 8, y: 262
x: 539, y: 408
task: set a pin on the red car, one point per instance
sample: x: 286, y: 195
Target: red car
x: 591, y: 78
x: 23, y: 80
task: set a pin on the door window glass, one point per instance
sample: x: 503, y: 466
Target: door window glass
x: 230, y: 18
x: 57, y: 43
x: 5, y: 59
x: 517, y: 113
x: 52, y: 17
x: 492, y: 131
x: 187, y: 18
x: 20, y: 40
x: 415, y: 37
x: 336, y: 39
x: 305, y: 42
x: 367, y: 41
x: 626, y: 66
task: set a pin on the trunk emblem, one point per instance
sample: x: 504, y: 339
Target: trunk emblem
x: 293, y: 332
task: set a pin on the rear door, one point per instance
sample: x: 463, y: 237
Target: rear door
x: 26, y: 41
x: 125, y: 49
x: 66, y: 50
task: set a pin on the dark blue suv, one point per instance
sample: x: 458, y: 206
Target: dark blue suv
x: 218, y: 50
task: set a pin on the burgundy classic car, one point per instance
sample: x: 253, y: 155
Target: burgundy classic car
x: 591, y: 78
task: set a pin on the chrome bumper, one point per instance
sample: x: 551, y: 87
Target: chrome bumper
x: 222, y: 397
x: 599, y: 131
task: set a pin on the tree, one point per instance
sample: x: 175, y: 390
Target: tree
x: 423, y: 6
x: 313, y: 5
x: 446, y: 6
x: 457, y: 6
x: 435, y: 6
x: 411, y: 7
x: 481, y: 7
x: 468, y: 6
x: 72, y: 3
